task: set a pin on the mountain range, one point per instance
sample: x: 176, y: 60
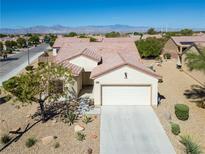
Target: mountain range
x: 59, y: 29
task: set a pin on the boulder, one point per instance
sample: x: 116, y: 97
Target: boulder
x: 48, y: 139
x: 78, y: 128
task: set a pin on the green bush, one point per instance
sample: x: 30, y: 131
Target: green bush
x: 150, y: 48
x: 70, y: 117
x: 112, y: 34
x: 30, y: 142
x: 175, y: 128
x: 80, y: 136
x: 92, y: 39
x: 86, y: 119
x: 167, y: 56
x: 182, y: 111
x: 29, y: 68
x: 5, y: 139
x: 191, y: 147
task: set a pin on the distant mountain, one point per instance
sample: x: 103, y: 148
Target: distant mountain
x: 81, y: 29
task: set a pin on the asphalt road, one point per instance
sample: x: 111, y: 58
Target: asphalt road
x: 14, y: 64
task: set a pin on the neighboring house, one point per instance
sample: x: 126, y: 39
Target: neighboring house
x: 145, y: 36
x: 113, y: 67
x: 198, y: 49
x: 177, y: 44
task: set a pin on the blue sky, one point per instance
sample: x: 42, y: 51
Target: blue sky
x: 153, y: 13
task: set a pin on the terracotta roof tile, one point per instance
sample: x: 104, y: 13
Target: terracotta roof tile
x: 115, y: 52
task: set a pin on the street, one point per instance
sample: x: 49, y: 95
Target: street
x: 14, y: 64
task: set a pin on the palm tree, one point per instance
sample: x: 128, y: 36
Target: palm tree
x: 196, y: 61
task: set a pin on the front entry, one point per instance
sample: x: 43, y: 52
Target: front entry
x: 86, y: 79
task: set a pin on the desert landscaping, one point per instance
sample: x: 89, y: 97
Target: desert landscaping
x: 53, y: 136
x: 173, y: 87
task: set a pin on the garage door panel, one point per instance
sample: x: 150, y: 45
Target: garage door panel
x: 126, y: 95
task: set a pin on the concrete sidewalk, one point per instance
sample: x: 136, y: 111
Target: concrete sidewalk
x: 132, y: 130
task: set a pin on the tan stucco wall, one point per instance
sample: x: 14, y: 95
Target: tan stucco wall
x: 197, y: 75
x: 117, y: 77
x: 171, y: 48
x: 77, y: 83
x: 86, y: 79
x: 84, y: 62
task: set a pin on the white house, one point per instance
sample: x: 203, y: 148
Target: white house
x: 112, y: 66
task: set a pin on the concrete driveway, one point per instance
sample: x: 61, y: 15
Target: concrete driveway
x: 132, y: 130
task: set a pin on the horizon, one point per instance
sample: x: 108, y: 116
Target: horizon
x: 157, y: 14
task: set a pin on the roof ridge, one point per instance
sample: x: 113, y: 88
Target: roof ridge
x: 123, y: 59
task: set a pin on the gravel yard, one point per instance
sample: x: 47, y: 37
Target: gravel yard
x: 173, y: 87
x: 65, y: 134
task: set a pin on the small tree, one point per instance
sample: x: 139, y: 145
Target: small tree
x: 186, y: 32
x: 196, y: 61
x: 151, y: 31
x: 21, y: 42
x: 150, y: 48
x: 34, y: 40
x: 10, y: 45
x: 48, y: 81
x: 71, y: 34
x: 112, y: 34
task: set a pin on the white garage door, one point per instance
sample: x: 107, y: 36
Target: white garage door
x: 126, y: 95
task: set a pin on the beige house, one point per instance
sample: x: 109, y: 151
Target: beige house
x: 112, y: 66
x: 197, y: 75
x: 177, y: 44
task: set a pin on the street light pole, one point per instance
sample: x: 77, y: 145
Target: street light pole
x: 28, y: 53
x: 28, y: 57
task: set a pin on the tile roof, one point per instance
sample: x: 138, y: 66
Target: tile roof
x: 75, y: 70
x: 179, y: 39
x: 115, y: 52
x: 60, y: 41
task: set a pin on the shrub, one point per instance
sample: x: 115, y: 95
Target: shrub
x: 29, y: 68
x: 5, y: 139
x: 112, y: 34
x: 7, y: 98
x: 30, y: 142
x: 175, y: 128
x: 86, y: 119
x: 150, y: 48
x: 80, y: 136
x: 92, y: 39
x: 70, y: 117
x: 167, y: 56
x: 182, y: 111
x: 56, y: 145
x: 191, y: 147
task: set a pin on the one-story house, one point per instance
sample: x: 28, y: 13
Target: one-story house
x: 112, y: 66
x: 177, y: 44
x: 196, y: 48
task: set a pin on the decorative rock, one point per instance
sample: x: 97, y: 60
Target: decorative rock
x: 48, y: 139
x: 78, y: 128
x: 28, y: 116
x: 168, y: 115
x: 89, y: 151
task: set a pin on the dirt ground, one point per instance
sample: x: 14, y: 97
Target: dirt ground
x: 174, y: 84
x: 16, y: 118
